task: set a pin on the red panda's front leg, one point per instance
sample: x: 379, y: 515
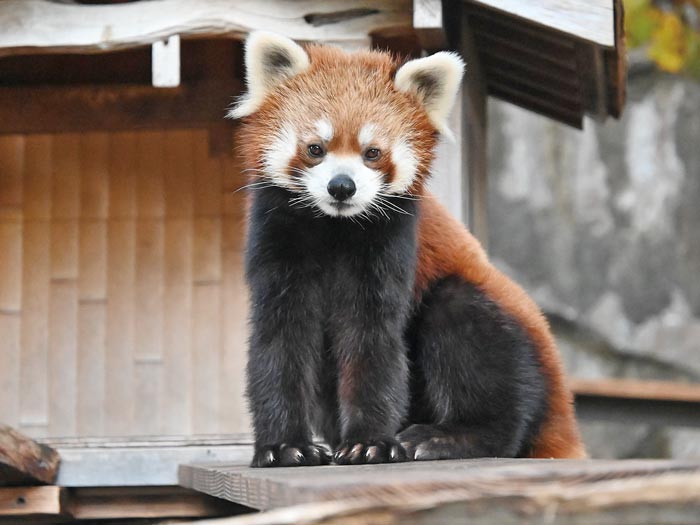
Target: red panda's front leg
x: 285, y: 345
x: 372, y: 385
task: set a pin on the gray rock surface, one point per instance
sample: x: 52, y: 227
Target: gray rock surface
x: 602, y: 227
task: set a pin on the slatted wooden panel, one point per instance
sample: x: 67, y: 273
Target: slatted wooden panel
x: 122, y: 305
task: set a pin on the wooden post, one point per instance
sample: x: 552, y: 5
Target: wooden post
x: 165, y: 62
x: 474, y: 136
x: 427, y: 22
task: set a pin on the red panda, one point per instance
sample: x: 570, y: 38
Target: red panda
x: 377, y: 321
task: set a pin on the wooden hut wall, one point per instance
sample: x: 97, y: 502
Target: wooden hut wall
x: 122, y: 304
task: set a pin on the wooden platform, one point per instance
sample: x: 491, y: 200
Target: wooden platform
x: 486, y: 490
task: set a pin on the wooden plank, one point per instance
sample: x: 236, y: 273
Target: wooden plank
x: 123, y: 173
x: 24, y: 461
x: 34, y: 363
x: 234, y: 328
x: 63, y: 344
x: 11, y: 177
x: 474, y: 136
x: 148, y: 324
x: 150, y: 193
x: 38, y: 160
x: 101, y: 503
x: 32, y: 501
x: 10, y: 267
x: 479, y: 479
x: 65, y: 187
x: 636, y: 389
x: 537, y: 105
x: 94, y: 178
x: 177, y: 327
x: 142, y: 461
x: 208, y: 172
x: 591, y: 20
x: 33, y: 26
x: 671, y: 500
x: 206, y: 355
x: 10, y: 320
x: 119, y: 358
x: 178, y: 173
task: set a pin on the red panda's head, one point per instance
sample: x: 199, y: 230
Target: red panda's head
x: 342, y: 131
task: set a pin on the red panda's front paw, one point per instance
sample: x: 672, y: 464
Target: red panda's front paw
x: 358, y: 452
x: 290, y: 455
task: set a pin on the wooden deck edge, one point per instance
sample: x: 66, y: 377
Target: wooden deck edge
x: 672, y: 499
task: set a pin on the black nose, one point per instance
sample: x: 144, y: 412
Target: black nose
x: 341, y: 187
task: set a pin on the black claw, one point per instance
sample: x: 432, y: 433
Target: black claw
x: 290, y: 455
x: 370, y: 452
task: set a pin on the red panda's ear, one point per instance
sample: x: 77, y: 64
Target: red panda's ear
x: 270, y: 59
x: 435, y: 81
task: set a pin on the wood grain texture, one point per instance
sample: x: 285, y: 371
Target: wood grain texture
x: 592, y: 20
x: 24, y: 461
x: 637, y: 389
x: 114, y: 275
x: 32, y: 501
x: 669, y: 498
x: 42, y: 25
x: 527, y: 488
x: 100, y: 503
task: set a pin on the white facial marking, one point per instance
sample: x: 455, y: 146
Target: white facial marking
x: 278, y: 155
x: 368, y: 183
x: 324, y: 129
x: 366, y: 135
x: 406, y: 165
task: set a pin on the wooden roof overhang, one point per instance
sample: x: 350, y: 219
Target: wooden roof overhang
x: 561, y: 58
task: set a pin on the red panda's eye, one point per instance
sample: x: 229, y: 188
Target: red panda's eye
x: 372, y: 154
x: 316, y: 151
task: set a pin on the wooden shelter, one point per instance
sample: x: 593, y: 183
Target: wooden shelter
x: 122, y: 302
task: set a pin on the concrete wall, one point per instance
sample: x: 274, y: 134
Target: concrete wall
x: 602, y: 228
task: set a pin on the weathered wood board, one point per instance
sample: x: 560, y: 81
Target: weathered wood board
x: 43, y: 25
x: 383, y: 484
x: 24, y: 461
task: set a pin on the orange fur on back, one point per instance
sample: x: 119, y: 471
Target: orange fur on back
x: 446, y: 248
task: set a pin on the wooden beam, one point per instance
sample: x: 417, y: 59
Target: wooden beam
x: 594, y: 87
x: 24, y: 461
x: 65, y: 109
x: 474, y: 135
x: 32, y: 501
x: 427, y: 21
x: 41, y: 26
x: 591, y: 20
x: 101, y: 503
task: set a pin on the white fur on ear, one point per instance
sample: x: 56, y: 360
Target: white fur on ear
x: 270, y: 59
x: 435, y: 81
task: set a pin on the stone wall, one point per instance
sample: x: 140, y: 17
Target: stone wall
x: 602, y: 226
